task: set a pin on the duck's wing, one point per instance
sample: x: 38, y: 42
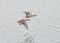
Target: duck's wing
x: 19, y: 22
x: 33, y: 15
x: 25, y: 24
x: 26, y: 19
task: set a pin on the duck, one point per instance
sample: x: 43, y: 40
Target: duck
x: 23, y: 22
x: 28, y: 14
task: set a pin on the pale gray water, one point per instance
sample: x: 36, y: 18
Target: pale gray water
x: 45, y: 28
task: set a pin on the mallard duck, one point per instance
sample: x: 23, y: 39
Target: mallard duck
x: 28, y: 14
x: 23, y: 22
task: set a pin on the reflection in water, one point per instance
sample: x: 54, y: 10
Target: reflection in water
x: 28, y: 39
